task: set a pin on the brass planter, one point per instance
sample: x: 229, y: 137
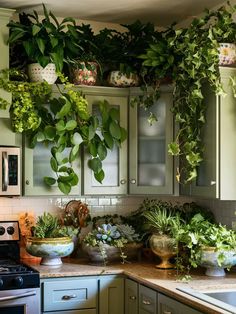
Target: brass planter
x: 165, y: 248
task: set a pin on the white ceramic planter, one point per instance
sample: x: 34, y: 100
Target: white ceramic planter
x: 227, y: 54
x: 119, y: 79
x: 39, y: 74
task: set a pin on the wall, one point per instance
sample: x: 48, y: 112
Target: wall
x: 10, y: 208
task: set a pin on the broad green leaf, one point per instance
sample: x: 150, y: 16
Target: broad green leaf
x: 95, y: 164
x: 53, y: 163
x: 60, y: 126
x: 63, y: 169
x: 123, y: 136
x: 49, y: 132
x: 64, y: 110
x: 102, y: 151
x: 91, y: 132
x: 40, y: 137
x: 93, y: 149
x: 99, y: 176
x: 71, y: 125
x: 58, y: 157
x: 114, y: 129
x: 108, y: 140
x: 115, y: 114
x: 77, y: 139
x: 74, y: 179
x: 75, y: 150
x: 49, y: 180
x: 64, y: 187
x: 35, y: 29
x: 41, y: 44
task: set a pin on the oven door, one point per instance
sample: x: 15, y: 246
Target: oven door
x: 20, y: 301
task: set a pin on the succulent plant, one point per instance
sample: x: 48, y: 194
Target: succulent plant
x: 128, y: 232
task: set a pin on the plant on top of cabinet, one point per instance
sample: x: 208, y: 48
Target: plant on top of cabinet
x: 64, y: 122
x: 38, y: 41
x: 197, y: 62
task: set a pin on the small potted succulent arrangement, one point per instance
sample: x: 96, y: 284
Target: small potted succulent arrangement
x: 40, y: 43
x: 110, y: 242
x: 50, y: 240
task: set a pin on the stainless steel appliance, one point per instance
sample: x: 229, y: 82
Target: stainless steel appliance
x: 10, y: 171
x: 19, y: 283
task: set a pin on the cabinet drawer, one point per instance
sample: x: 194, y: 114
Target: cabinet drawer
x: 69, y: 294
x: 89, y: 311
x: 147, y: 300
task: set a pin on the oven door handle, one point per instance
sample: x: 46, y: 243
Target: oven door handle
x: 5, y: 171
x: 13, y: 297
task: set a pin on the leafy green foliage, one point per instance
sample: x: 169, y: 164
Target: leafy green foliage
x: 48, y: 226
x: 39, y: 41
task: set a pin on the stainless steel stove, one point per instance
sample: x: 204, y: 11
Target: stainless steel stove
x: 19, y: 283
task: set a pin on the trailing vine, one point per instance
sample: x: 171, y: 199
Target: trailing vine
x: 64, y: 123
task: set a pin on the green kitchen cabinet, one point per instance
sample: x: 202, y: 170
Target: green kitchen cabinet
x: 147, y: 300
x: 70, y: 295
x: 150, y: 165
x: 131, y: 297
x: 8, y: 137
x: 111, y: 295
x: 115, y: 164
x: 216, y: 174
x: 167, y: 305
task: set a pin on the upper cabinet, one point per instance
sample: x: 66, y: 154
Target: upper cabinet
x: 217, y: 173
x: 150, y: 165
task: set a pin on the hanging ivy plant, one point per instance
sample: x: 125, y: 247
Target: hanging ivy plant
x: 64, y: 122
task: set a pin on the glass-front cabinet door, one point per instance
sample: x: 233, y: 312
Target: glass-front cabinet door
x: 115, y: 164
x: 150, y: 165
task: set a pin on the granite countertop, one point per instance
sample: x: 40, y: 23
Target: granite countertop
x: 145, y: 273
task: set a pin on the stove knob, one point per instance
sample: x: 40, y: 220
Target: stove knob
x: 2, y: 230
x: 10, y: 230
x: 18, y: 281
x: 1, y: 283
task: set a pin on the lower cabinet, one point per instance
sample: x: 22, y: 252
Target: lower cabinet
x: 83, y: 295
x: 167, y: 305
x: 140, y: 299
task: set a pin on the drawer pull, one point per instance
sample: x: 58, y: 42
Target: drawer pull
x: 132, y: 297
x: 68, y: 297
x: 146, y: 302
x: 167, y: 312
x: 133, y: 181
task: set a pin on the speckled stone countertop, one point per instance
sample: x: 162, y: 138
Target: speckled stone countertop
x: 163, y: 281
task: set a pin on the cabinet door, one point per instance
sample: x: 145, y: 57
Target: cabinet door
x: 131, y: 297
x: 89, y: 311
x: 147, y: 300
x: 36, y: 166
x: 115, y: 164
x: 111, y: 295
x: 150, y: 165
x: 216, y: 175
x: 167, y: 305
x: 8, y: 137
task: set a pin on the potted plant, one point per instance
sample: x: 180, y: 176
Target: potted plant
x: 163, y: 224
x: 82, y: 55
x: 208, y: 244
x: 41, y: 43
x: 110, y: 242
x: 50, y: 240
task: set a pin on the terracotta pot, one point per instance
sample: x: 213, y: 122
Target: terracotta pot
x: 119, y: 79
x: 84, y: 75
x: 39, y: 74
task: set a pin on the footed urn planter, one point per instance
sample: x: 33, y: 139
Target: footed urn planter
x: 165, y: 248
x: 50, y: 249
x: 216, y: 261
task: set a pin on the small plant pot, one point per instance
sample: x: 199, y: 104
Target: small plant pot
x: 85, y: 74
x: 165, y: 248
x: 50, y: 249
x: 120, y: 79
x: 227, y: 54
x: 39, y: 74
x: 209, y: 259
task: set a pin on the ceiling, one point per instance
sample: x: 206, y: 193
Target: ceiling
x: 159, y: 12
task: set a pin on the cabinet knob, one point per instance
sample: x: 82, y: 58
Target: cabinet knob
x: 132, y: 181
x: 123, y: 181
x: 27, y: 182
x: 213, y: 183
x: 147, y: 302
x: 132, y: 297
x: 167, y: 312
x: 68, y: 297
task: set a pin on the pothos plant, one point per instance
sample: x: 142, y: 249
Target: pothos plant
x: 64, y: 123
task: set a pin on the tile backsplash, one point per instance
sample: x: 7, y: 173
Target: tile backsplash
x: 10, y: 208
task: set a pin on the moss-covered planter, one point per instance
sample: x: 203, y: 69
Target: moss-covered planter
x: 50, y: 249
